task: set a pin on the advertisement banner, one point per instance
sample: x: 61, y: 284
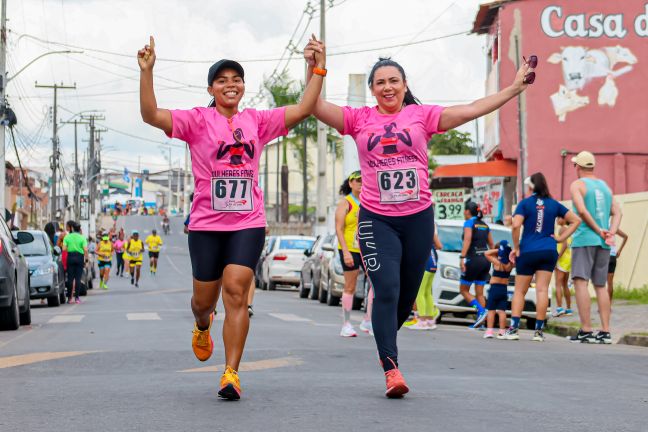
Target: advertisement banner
x: 449, y: 203
x: 488, y: 193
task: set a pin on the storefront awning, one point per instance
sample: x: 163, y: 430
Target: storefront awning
x: 500, y: 168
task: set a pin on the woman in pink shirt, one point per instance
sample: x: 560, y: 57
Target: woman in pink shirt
x: 118, y: 245
x: 396, y: 221
x: 227, y: 225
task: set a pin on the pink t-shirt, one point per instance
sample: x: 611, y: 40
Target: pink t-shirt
x: 225, y: 156
x: 393, y: 156
x: 119, y: 245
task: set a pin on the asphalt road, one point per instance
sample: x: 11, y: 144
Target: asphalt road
x: 122, y: 361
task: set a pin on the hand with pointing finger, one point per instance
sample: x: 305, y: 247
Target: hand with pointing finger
x: 146, y: 56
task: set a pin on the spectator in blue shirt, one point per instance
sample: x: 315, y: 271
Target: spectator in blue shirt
x: 536, y: 253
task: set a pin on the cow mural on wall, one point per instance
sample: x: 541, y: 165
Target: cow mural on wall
x: 581, y: 66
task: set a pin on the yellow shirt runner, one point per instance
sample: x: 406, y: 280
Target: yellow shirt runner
x: 133, y: 252
x: 154, y: 242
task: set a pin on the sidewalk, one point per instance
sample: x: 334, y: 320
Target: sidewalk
x: 628, y: 324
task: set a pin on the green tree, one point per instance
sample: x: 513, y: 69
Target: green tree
x: 452, y: 142
x: 285, y: 91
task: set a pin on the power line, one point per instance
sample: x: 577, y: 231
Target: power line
x: 139, y: 137
x: 280, y: 59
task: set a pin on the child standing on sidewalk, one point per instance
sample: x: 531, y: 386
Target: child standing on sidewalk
x: 498, y: 291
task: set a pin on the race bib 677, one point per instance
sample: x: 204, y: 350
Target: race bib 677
x: 232, y: 194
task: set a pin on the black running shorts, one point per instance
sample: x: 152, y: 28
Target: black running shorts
x: 212, y: 251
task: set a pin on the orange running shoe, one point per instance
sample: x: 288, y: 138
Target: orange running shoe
x: 202, y: 343
x: 396, y: 385
x: 230, y: 386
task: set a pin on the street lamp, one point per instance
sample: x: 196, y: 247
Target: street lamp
x: 40, y: 57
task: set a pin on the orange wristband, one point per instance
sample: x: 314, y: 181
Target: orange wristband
x: 320, y: 71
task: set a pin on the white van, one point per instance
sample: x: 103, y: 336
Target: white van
x: 445, y: 288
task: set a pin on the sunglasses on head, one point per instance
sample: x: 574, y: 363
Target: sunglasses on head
x: 533, y: 63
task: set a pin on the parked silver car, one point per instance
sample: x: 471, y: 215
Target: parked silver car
x: 46, y: 274
x: 311, y: 272
x: 331, y: 286
x: 282, y: 265
x: 15, y: 309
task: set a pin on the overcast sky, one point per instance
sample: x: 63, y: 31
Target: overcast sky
x: 447, y: 71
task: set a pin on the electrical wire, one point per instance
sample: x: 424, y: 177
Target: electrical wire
x: 22, y: 171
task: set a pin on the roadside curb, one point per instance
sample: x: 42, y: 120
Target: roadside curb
x: 629, y: 339
x: 636, y: 340
x: 561, y: 330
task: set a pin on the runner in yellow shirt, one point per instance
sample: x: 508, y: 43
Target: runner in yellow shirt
x: 104, y: 256
x: 134, y: 250
x: 154, y: 243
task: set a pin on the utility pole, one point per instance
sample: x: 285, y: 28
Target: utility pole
x: 305, y: 159
x: 178, y: 189
x: 185, y: 183
x: 77, y: 210
x: 91, y: 172
x: 55, y: 151
x: 170, y: 180
x: 3, y: 85
x: 77, y: 173
x: 320, y: 225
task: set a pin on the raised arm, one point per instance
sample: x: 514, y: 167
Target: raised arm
x: 324, y: 111
x: 573, y: 222
x: 491, y: 256
x: 151, y: 114
x: 456, y: 115
x: 306, y: 107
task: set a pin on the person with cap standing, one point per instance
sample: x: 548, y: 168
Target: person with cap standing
x: 536, y: 253
x: 594, y: 203
x: 104, y: 258
x: 498, y: 290
x: 227, y: 226
x: 346, y: 229
x: 134, y: 250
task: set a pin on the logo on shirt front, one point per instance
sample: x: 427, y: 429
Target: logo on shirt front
x: 389, y: 140
x: 236, y: 151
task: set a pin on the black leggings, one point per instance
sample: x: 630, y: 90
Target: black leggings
x: 120, y: 263
x: 394, y: 252
x: 75, y: 262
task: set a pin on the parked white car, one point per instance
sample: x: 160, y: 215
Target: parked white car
x: 446, y: 282
x: 283, y: 264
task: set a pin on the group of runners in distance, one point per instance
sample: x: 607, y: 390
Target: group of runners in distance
x: 129, y: 254
x: 395, y: 235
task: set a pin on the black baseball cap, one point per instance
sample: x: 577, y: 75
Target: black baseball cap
x: 224, y: 64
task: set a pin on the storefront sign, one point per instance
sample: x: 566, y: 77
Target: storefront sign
x: 449, y: 203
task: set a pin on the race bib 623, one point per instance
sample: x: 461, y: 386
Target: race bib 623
x: 397, y: 186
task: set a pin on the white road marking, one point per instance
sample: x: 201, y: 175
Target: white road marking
x: 58, y: 319
x: 143, y: 316
x: 289, y: 317
x: 173, y: 264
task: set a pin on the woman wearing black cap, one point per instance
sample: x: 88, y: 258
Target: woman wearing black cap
x: 227, y: 226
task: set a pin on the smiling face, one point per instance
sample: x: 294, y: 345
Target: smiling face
x: 389, y: 89
x: 228, y: 88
